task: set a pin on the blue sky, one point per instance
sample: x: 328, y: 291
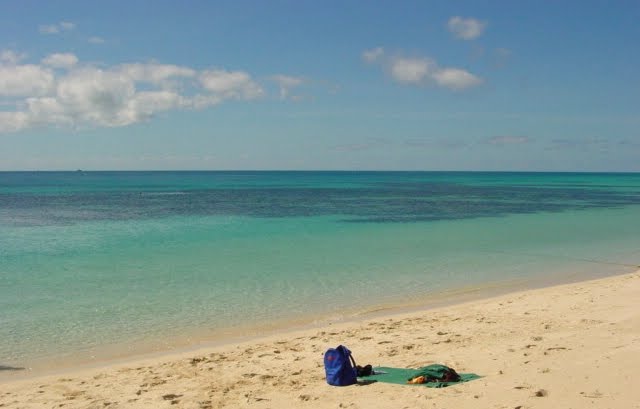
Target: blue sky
x: 384, y: 85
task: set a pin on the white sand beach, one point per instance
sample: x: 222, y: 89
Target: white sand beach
x: 567, y: 346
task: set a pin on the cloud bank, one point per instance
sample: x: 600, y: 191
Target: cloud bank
x: 61, y: 91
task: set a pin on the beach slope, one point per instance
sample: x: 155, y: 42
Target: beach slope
x: 568, y: 346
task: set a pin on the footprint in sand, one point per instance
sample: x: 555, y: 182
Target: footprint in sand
x: 206, y: 404
x: 73, y: 394
x: 555, y: 349
x: 171, y: 396
x: 196, y: 361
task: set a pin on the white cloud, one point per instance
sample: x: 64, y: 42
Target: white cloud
x: 145, y: 104
x: 466, y: 28
x: 424, y: 71
x: 84, y: 95
x: 44, y: 111
x: 56, y: 28
x: 373, y: 55
x: 286, y: 83
x: 91, y: 95
x: 410, y: 70
x: 231, y: 84
x: 201, y: 101
x: 12, y: 121
x: 60, y: 60
x: 159, y: 74
x: 455, y: 78
x: 25, y: 80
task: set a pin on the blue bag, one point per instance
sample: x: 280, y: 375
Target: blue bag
x: 340, y: 366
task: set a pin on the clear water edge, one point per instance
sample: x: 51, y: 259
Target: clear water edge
x: 196, y: 340
x: 146, y: 285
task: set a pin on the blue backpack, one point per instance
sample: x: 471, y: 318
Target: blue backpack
x: 340, y: 366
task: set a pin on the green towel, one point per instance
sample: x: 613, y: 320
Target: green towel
x: 401, y: 375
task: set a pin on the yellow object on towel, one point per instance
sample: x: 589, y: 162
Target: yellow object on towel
x: 417, y: 379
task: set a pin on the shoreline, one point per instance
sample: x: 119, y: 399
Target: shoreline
x: 558, y: 339
x: 126, y: 353
x: 114, y: 354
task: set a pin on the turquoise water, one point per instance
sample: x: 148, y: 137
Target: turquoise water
x: 92, y: 262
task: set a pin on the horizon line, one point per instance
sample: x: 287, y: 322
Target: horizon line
x: 313, y: 171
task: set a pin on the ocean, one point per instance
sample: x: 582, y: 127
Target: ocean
x: 96, y: 266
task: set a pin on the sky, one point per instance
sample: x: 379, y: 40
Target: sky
x: 320, y: 85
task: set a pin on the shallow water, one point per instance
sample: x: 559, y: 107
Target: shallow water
x: 89, y: 260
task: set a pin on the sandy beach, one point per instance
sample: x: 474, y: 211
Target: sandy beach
x: 567, y: 346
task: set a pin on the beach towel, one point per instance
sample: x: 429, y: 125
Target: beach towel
x: 402, y: 375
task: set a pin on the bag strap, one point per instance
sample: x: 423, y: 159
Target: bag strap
x: 353, y: 361
x: 347, y: 352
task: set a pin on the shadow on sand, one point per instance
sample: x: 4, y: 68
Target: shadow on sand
x: 10, y: 368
